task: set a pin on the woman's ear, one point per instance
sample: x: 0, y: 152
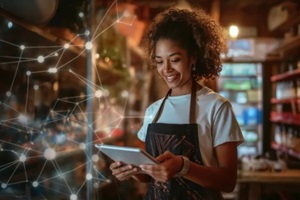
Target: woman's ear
x: 194, y: 58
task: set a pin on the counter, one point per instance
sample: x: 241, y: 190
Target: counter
x: 254, y: 184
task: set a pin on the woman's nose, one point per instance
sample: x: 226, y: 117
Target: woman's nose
x: 168, y: 67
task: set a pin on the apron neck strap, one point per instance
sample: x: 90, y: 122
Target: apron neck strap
x: 192, y: 105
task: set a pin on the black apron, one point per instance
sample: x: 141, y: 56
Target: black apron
x: 179, y: 139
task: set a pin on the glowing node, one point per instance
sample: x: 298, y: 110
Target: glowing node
x: 52, y: 70
x: 70, y: 70
x: 3, y: 185
x: 95, y: 158
x: 96, y: 185
x: 98, y: 93
x: 10, y: 24
x: 50, y: 154
x: 35, y: 87
x: 126, y: 13
x: 22, y: 158
x: 97, y: 55
x: 22, y: 118
x: 73, y: 197
x: 87, y: 32
x: 108, y: 181
x: 35, y: 184
x: 105, y: 93
x: 66, y: 46
x: 56, y: 54
x: 28, y: 73
x: 22, y: 47
x: 89, y: 45
x: 81, y: 14
x: 106, y: 59
x: 82, y: 146
x: 124, y: 94
x: 40, y: 59
x: 88, y: 176
x: 8, y: 93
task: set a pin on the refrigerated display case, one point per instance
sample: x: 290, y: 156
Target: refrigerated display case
x: 241, y: 84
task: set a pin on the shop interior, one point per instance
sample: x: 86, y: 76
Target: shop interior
x: 73, y: 74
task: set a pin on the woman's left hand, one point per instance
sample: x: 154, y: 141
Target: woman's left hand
x: 169, y: 166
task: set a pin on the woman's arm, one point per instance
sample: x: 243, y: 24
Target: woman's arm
x: 222, y: 178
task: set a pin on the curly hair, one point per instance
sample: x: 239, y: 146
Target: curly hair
x: 192, y: 30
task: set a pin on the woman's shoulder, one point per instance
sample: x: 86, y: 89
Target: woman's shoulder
x: 210, y: 95
x: 154, y: 106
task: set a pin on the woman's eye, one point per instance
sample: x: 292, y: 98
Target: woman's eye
x: 175, y: 60
x: 158, y: 62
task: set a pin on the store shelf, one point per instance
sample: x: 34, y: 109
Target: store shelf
x: 292, y: 21
x: 286, y: 76
x: 285, y: 101
x: 285, y: 149
x: 239, y: 76
x: 285, y: 117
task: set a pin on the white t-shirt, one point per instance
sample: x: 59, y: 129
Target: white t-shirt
x: 215, y: 118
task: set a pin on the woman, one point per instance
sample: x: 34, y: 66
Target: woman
x: 192, y: 132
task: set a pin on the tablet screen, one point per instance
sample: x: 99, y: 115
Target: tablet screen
x: 127, y: 155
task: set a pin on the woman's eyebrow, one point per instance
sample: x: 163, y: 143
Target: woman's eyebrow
x: 172, y: 54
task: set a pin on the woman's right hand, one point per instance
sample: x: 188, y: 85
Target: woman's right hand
x: 123, y: 172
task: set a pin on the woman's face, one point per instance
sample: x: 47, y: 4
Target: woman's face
x: 174, y: 65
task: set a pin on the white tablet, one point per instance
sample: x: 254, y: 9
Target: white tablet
x: 127, y: 155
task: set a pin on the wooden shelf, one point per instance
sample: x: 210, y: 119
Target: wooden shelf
x: 285, y: 101
x: 289, y: 48
x: 285, y: 117
x: 292, y: 21
x: 286, y: 76
x: 285, y: 149
x: 239, y: 76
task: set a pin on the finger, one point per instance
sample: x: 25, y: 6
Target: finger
x: 125, y: 175
x: 165, y: 156
x: 115, y: 165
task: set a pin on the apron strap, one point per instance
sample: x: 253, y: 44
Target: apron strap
x: 192, y: 105
x: 161, y: 107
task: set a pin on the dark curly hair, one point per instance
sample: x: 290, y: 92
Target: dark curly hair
x: 192, y: 30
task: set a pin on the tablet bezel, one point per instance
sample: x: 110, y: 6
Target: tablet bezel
x: 127, y: 155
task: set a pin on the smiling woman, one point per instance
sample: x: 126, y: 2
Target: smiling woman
x: 196, y: 148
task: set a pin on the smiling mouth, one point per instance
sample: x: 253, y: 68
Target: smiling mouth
x: 171, y: 78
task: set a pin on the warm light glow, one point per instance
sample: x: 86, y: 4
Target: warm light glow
x: 55, y: 86
x: 233, y: 31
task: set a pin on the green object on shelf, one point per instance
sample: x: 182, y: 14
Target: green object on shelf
x: 237, y: 85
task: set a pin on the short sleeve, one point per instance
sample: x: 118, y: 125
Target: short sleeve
x: 225, y: 127
x: 147, y: 120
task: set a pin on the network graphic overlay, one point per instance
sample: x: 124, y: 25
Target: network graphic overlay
x: 36, y: 148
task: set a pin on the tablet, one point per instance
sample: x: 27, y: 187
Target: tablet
x: 127, y: 155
